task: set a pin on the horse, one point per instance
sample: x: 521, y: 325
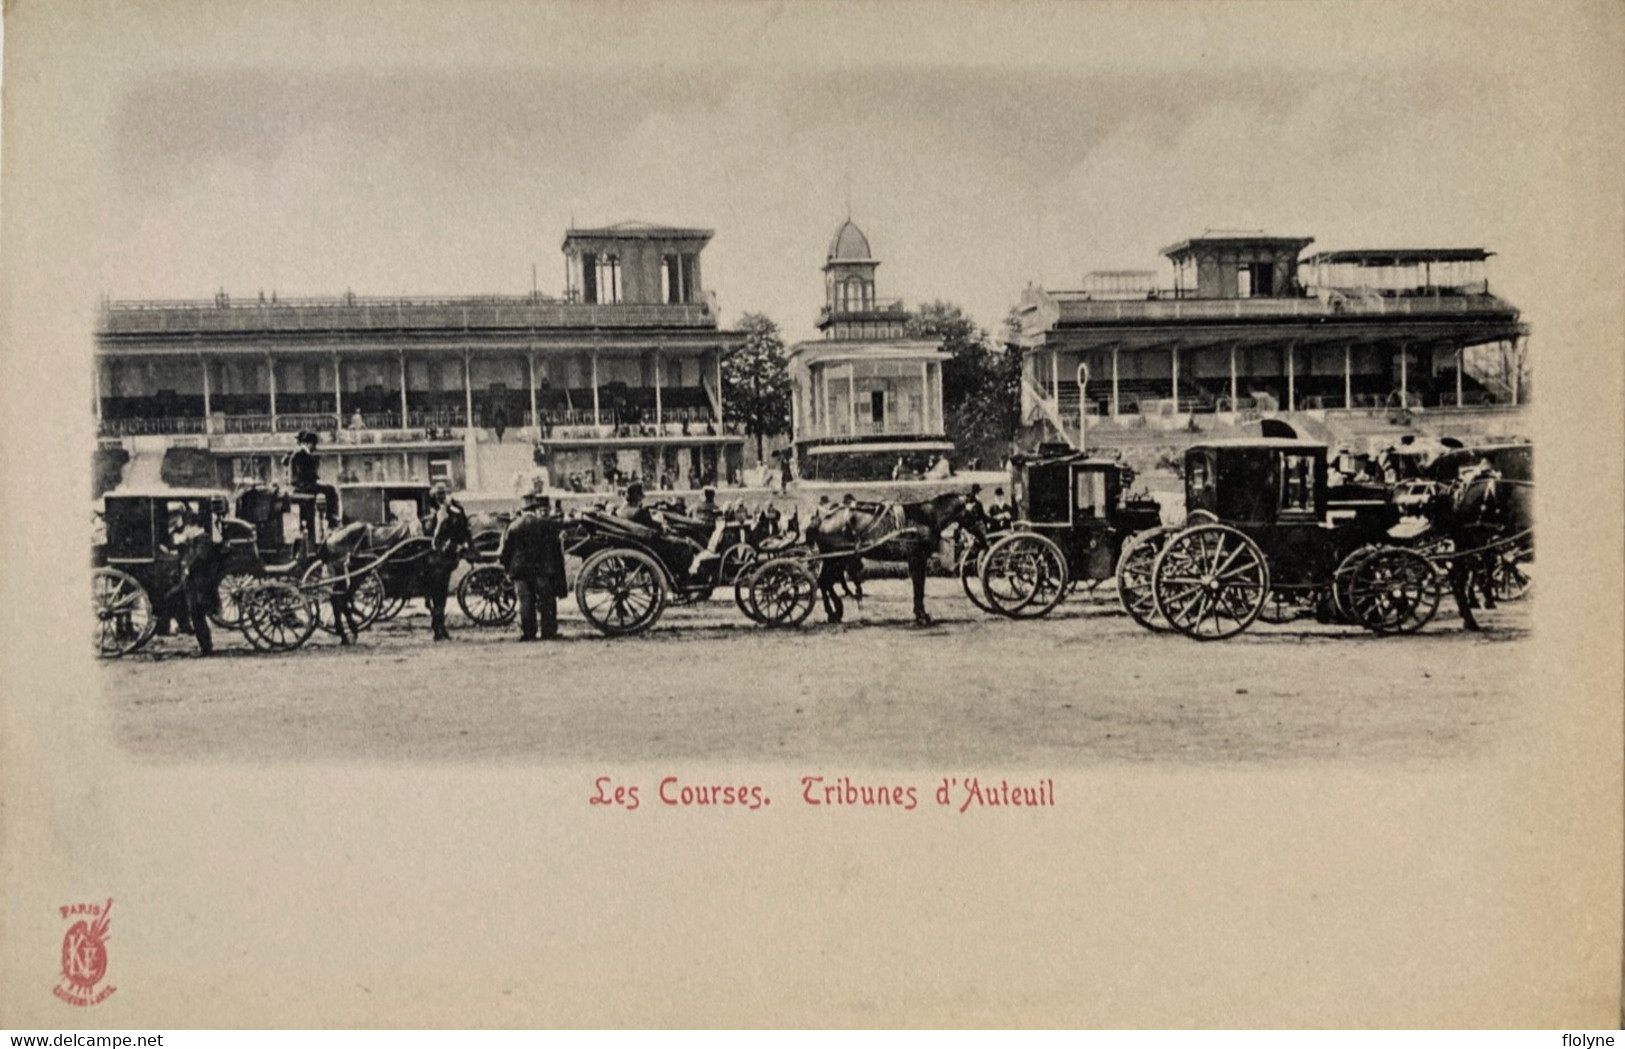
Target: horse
x: 906, y: 532
x: 416, y: 562
x: 1482, y: 514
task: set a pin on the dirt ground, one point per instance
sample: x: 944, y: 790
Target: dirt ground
x: 1084, y: 687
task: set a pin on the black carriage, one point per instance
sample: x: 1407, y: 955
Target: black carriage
x: 1266, y: 535
x: 271, y: 533
x: 136, y: 577
x: 1073, y: 515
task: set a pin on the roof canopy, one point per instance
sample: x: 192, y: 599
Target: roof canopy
x: 1397, y: 256
x: 637, y: 231
x: 1237, y: 239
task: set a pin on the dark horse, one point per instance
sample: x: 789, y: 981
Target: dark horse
x: 906, y: 532
x: 410, y: 562
x: 1484, y: 516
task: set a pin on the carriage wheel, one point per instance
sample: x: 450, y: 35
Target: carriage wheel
x: 1024, y: 575
x: 1508, y: 580
x: 487, y: 596
x: 124, y: 619
x: 735, y: 560
x: 970, y: 567
x: 390, y: 609
x: 366, y: 594
x: 1394, y: 591
x: 742, y: 593
x: 1134, y: 578
x: 621, y: 591
x: 1200, y: 517
x: 278, y: 616
x: 1210, y: 582
x: 1343, y: 576
x: 783, y: 592
x: 228, y: 613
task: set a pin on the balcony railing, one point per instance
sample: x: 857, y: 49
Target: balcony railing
x: 1172, y: 309
x: 151, y: 426
x: 358, y: 313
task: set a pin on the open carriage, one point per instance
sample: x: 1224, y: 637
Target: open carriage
x: 1073, y: 516
x: 1267, y: 536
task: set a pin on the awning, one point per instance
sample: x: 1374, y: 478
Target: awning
x: 895, y: 446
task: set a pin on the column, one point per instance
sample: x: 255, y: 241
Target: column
x: 852, y: 398
x: 821, y: 388
x: 96, y: 387
x: 1235, y: 396
x: 1055, y: 377
x: 338, y: 392
x: 270, y: 375
x: 1404, y: 375
x: 1292, y: 376
x: 720, y: 405
x: 1114, y: 382
x: 1460, y: 351
x: 1348, y: 375
x: 925, y: 396
x: 406, y: 414
x: 595, y: 387
x: 530, y: 375
x: 207, y: 412
x: 468, y: 392
x: 659, y: 406
x: 1517, y: 369
x: 1175, y: 352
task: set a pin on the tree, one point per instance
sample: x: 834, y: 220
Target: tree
x: 981, y: 392
x: 756, y: 381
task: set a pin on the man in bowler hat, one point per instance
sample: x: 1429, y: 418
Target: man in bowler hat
x: 532, y: 552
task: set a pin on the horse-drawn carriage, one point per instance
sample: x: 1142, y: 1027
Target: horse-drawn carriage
x: 136, y: 567
x: 1266, y: 536
x: 1073, y: 515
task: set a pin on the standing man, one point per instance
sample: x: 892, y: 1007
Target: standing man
x: 449, y: 535
x: 304, y: 476
x: 533, y: 555
x: 199, y: 564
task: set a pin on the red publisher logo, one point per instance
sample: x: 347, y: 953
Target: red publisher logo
x: 84, y: 954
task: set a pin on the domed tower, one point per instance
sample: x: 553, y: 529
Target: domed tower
x: 850, y: 308
x: 866, y: 400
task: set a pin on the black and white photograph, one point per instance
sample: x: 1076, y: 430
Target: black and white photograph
x: 833, y: 515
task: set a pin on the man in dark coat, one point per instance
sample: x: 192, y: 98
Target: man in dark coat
x: 304, y: 477
x: 532, y: 552
x: 200, y: 582
x: 449, y: 535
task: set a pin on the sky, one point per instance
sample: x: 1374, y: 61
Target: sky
x: 981, y: 147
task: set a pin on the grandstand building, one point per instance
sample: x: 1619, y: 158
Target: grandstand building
x: 618, y: 377
x: 865, y: 396
x: 1246, y: 323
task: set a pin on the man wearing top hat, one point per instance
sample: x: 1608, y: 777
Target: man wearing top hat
x: 305, y: 478
x: 532, y: 552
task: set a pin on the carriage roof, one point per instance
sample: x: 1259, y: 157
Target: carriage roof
x: 166, y: 493
x: 1285, y: 444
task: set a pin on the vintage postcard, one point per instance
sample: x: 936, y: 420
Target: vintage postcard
x: 1017, y: 515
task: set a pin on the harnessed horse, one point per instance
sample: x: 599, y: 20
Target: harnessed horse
x: 1484, y: 515
x: 416, y: 563
x: 906, y: 532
